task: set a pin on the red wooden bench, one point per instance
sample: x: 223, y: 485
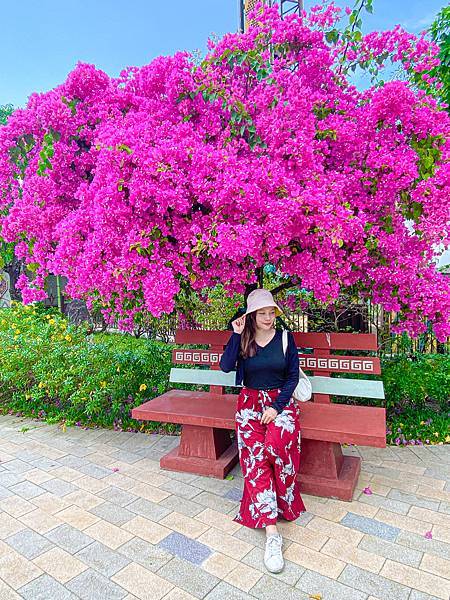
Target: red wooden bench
x: 205, y: 445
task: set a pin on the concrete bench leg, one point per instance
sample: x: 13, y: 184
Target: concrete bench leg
x: 204, y: 451
x: 325, y: 471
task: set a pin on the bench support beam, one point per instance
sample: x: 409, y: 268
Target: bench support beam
x: 326, y: 471
x: 204, y: 451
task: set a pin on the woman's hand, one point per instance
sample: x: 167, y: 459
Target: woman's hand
x: 238, y: 324
x: 269, y: 415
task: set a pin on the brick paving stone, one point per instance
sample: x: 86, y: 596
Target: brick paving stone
x: 44, y: 588
x: 45, y: 464
x: 29, y: 543
x: 118, y: 496
x: 180, y: 489
x: 7, y: 593
x: 233, y: 494
x: 59, y: 564
x: 17, y: 466
x: 182, y: 505
x: 416, y: 595
x: 419, y: 542
x: 4, y: 492
x: 16, y: 570
x: 103, y: 559
x: 142, y: 583
x: 95, y: 471
x: 183, y: 547
x: 193, y: 528
x: 372, y: 583
x: 112, y: 513
x: 269, y: 588
x: 109, y: 534
x: 16, y: 506
x: 148, y: 555
x: 314, y: 583
x: 148, y: 509
x: 225, y: 590
x: 355, y: 556
x: 7, y: 479
x: 243, y: 577
x: 91, y: 585
x: 210, y: 484
x: 417, y: 579
x: 289, y: 575
x: 75, y: 462
x: 27, y: 490
x: 59, y: 487
x: 216, y: 519
x: 388, y: 503
x: 126, y: 456
x: 69, y: 538
x: 316, y: 561
x: 444, y: 507
x: 255, y: 537
x: 215, y: 502
x: 77, y: 517
x: 146, y: 529
x: 188, y: 577
x: 219, y: 564
x: 180, y: 476
x: 413, y: 499
x: 174, y: 594
x: 372, y: 526
x: 391, y: 550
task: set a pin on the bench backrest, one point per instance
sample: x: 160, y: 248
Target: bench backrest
x: 319, y: 360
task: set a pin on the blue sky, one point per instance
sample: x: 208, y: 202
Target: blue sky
x: 41, y: 42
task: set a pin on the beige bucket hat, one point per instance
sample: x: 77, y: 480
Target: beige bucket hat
x: 261, y: 298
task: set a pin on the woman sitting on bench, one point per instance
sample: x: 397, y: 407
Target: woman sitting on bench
x: 267, y: 421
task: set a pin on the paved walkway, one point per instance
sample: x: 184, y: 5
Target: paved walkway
x: 89, y: 514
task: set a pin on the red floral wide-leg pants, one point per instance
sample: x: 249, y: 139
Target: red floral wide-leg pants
x: 270, y: 458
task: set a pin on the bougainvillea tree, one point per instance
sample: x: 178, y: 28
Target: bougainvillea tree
x: 178, y: 176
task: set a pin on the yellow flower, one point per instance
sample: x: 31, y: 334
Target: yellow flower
x: 17, y: 331
x: 41, y: 385
x: 68, y: 338
x: 51, y: 322
x: 436, y: 434
x: 447, y: 439
x: 103, y: 384
x: 422, y: 422
x: 142, y: 387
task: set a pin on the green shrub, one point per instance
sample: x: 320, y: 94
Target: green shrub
x: 52, y: 370
x: 422, y: 381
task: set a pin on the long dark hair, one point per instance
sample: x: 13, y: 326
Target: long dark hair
x: 248, y: 343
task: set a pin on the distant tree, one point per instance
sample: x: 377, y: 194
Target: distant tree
x: 5, y: 111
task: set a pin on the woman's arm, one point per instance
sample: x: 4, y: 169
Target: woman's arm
x: 231, y: 353
x: 279, y: 404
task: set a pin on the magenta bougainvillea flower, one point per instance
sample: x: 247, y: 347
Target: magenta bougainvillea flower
x: 179, y: 175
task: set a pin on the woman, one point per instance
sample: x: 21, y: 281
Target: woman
x: 267, y: 421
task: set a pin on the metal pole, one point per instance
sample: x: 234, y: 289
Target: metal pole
x: 241, y: 9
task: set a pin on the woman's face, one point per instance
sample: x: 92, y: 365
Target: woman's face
x: 265, y: 318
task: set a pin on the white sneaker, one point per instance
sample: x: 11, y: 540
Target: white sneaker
x: 273, y: 558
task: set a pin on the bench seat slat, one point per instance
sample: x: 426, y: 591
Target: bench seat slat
x: 336, y: 386
x: 326, y: 422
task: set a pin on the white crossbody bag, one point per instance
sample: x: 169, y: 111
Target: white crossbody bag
x: 303, y: 391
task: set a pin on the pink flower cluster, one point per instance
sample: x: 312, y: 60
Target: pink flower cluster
x: 176, y: 176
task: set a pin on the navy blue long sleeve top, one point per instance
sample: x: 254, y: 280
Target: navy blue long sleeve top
x: 268, y: 369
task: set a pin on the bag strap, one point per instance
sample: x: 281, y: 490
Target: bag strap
x: 285, y: 341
